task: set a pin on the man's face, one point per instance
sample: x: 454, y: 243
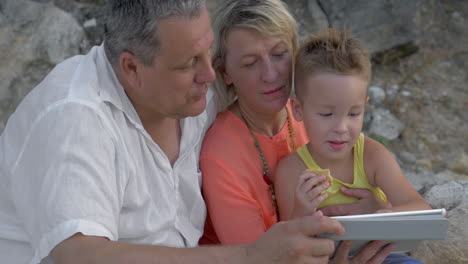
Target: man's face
x: 175, y: 85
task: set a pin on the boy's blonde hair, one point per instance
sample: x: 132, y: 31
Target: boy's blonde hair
x: 267, y: 17
x: 333, y: 51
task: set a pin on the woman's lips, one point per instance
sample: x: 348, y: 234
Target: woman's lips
x: 273, y: 90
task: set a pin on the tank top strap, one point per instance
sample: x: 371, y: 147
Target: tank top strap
x: 359, y: 172
x: 304, y: 153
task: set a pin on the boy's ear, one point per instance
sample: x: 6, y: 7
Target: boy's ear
x: 129, y: 66
x: 296, y: 108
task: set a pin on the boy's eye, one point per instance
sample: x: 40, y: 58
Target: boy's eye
x: 325, y: 114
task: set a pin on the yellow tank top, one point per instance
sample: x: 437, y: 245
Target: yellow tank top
x: 359, y: 182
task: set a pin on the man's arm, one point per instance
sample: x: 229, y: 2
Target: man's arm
x: 286, y: 242
x: 91, y: 249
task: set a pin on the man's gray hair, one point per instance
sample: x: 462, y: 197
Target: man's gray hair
x: 131, y: 25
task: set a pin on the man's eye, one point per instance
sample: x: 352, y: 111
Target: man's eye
x: 250, y: 64
x: 194, y: 61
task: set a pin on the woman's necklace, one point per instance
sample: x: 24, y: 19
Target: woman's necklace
x: 266, y: 170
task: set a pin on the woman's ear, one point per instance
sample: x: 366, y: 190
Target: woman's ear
x: 296, y: 108
x: 227, y: 79
x: 129, y: 69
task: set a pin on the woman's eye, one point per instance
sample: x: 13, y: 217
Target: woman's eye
x: 325, y: 114
x: 354, y: 114
x: 279, y: 54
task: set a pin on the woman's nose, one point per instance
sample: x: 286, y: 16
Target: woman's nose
x: 269, y: 72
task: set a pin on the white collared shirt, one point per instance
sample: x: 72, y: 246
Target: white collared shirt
x: 75, y: 157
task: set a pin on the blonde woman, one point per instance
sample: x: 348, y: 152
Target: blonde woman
x: 254, y: 46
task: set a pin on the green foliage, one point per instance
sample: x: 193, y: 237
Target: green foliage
x: 381, y: 140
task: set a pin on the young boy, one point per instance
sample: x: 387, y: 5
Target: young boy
x: 332, y: 77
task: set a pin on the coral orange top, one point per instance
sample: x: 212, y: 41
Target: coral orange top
x: 239, y: 202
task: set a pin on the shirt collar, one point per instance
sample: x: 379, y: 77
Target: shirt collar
x: 111, y: 90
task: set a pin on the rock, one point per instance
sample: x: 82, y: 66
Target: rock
x: 460, y: 165
x: 425, y: 163
x: 419, y: 178
x: 407, y: 157
x: 454, y: 249
x: 309, y: 16
x: 448, y: 175
x: 381, y: 24
x: 448, y: 195
x: 35, y: 37
x: 376, y: 95
x: 385, y: 125
x: 392, y: 91
x: 90, y: 23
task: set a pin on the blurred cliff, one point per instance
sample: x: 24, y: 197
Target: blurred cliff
x: 418, y: 95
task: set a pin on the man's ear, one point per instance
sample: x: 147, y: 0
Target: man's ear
x: 129, y: 66
x: 296, y: 107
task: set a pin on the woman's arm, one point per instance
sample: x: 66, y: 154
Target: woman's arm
x: 298, y: 193
x: 236, y: 213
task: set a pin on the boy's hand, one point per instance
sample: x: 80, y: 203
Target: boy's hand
x: 368, y: 203
x: 309, y: 193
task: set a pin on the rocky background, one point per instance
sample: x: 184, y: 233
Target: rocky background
x: 418, y: 96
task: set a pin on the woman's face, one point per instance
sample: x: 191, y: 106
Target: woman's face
x: 259, y: 68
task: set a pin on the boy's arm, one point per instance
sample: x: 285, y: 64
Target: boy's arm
x: 386, y: 174
x: 286, y: 242
x: 298, y: 193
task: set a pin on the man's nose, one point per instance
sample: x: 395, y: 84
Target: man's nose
x: 207, y: 73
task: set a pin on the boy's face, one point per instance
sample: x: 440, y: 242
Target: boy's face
x: 332, y: 109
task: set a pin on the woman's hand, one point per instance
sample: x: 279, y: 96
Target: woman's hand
x: 373, y: 253
x: 368, y: 203
x: 309, y: 194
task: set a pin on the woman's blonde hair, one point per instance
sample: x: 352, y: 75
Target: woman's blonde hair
x: 267, y: 17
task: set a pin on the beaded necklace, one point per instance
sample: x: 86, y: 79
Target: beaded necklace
x: 266, y: 170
